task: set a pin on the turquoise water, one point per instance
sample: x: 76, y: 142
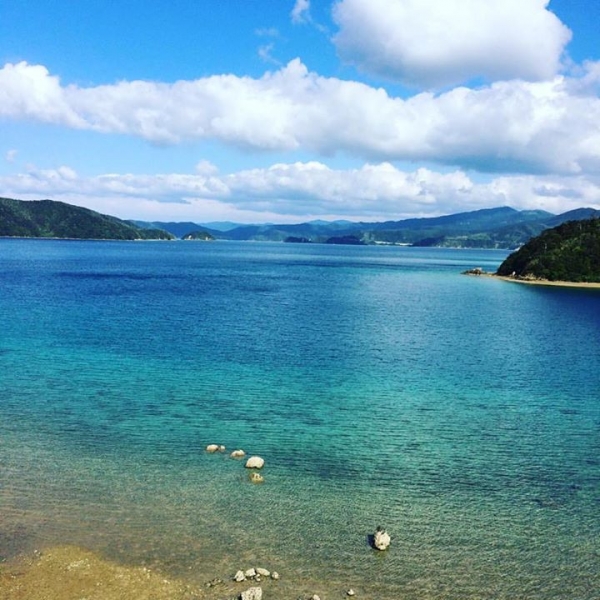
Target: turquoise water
x: 380, y: 385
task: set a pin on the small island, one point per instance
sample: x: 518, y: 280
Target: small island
x: 201, y: 236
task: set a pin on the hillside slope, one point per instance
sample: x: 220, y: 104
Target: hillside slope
x: 569, y: 252
x: 51, y: 219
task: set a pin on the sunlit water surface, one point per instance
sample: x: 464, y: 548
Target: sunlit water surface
x: 381, y: 386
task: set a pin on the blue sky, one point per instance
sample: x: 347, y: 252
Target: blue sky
x: 290, y: 110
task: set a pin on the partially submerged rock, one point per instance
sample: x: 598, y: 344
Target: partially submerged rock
x: 381, y: 539
x: 253, y: 593
x: 256, y: 477
x: 212, y: 448
x: 238, y: 454
x: 255, y: 462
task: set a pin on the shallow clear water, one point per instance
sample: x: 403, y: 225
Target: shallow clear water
x: 380, y: 385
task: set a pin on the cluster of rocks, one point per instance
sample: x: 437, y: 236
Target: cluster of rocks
x: 254, y: 462
x: 256, y: 574
x: 349, y: 593
x: 475, y: 271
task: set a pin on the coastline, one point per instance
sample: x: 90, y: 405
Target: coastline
x: 547, y: 282
x: 542, y: 282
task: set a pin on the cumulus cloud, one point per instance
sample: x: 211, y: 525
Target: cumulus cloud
x: 509, y: 126
x: 435, y: 43
x: 289, y: 192
x: 29, y: 91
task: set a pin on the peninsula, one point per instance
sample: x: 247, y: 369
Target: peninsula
x: 565, y: 255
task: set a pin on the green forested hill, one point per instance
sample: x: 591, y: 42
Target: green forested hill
x: 50, y: 219
x: 569, y: 252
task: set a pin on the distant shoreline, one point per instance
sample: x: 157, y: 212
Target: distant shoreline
x: 544, y: 282
x: 547, y: 282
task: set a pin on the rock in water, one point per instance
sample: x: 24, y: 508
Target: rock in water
x: 212, y: 448
x: 253, y: 593
x: 381, y: 539
x: 237, y: 454
x: 255, y: 462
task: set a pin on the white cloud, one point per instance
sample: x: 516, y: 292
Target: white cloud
x: 29, y: 91
x: 435, y: 43
x: 207, y: 168
x: 301, y: 11
x: 510, y: 126
x: 299, y: 191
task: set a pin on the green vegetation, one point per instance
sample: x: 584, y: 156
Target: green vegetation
x: 202, y: 236
x: 50, y: 219
x: 569, y: 252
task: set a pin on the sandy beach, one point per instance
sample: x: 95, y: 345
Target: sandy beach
x: 543, y: 282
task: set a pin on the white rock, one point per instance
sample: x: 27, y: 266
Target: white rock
x: 250, y: 573
x: 212, y: 448
x: 350, y: 592
x: 263, y: 572
x: 256, y: 477
x: 239, y: 576
x: 253, y: 593
x: 274, y: 575
x: 315, y: 597
x: 237, y: 454
x: 222, y: 448
x: 381, y: 539
x: 255, y: 462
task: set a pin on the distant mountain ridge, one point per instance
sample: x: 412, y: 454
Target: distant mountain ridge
x: 501, y: 227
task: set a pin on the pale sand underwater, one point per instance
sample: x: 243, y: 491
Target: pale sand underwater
x: 71, y: 573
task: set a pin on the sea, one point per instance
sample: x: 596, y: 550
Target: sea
x: 382, y: 387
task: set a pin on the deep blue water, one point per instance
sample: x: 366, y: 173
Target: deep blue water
x: 381, y: 386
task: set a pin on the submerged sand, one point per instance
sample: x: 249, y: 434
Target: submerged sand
x: 67, y: 573
x: 72, y: 573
